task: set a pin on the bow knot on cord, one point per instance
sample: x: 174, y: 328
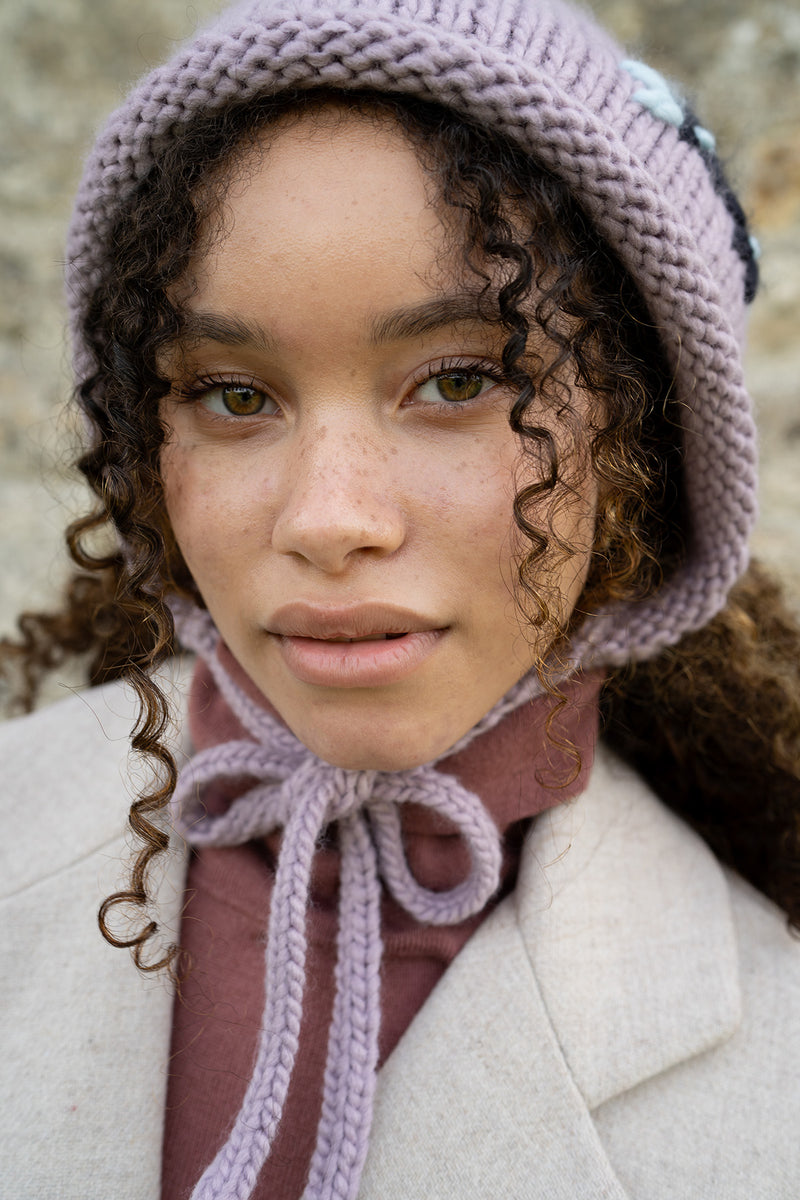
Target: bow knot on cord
x: 266, y: 805
x: 297, y: 792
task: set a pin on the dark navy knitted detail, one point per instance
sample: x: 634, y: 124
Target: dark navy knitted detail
x: 741, y: 242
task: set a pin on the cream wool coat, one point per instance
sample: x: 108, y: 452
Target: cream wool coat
x: 626, y: 1025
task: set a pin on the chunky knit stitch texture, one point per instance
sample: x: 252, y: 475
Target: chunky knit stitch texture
x: 298, y: 793
x: 547, y: 77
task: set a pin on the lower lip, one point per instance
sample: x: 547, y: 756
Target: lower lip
x: 357, y: 664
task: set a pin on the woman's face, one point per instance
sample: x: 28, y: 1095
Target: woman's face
x: 339, y: 470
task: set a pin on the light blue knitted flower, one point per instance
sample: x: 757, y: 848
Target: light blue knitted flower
x: 661, y: 99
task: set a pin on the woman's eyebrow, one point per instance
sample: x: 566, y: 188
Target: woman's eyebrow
x: 440, y: 312
x: 227, y: 330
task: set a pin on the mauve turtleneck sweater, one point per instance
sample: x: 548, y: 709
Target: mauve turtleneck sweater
x: 516, y: 769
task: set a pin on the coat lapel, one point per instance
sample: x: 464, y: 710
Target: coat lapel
x: 476, y: 1100
x: 626, y: 918
x: 613, y: 960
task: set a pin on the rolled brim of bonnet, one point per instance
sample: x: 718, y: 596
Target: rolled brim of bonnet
x: 548, y: 78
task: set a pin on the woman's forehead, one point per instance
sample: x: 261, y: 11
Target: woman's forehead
x: 334, y: 209
x: 293, y: 142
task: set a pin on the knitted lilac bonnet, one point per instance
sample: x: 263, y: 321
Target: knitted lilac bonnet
x: 644, y: 169
x: 631, y: 151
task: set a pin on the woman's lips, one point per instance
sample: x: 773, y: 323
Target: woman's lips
x: 368, y: 662
x: 369, y: 645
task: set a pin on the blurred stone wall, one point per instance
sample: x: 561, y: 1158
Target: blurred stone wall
x: 64, y: 64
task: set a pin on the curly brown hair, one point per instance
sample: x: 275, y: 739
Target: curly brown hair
x: 543, y: 266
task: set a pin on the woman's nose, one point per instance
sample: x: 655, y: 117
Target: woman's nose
x: 338, y: 502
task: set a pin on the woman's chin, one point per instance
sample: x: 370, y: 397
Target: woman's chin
x: 370, y: 757
x: 374, y: 749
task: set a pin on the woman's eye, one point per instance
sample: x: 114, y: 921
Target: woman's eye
x: 454, y: 387
x: 236, y: 399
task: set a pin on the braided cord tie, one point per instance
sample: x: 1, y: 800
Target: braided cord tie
x: 300, y: 794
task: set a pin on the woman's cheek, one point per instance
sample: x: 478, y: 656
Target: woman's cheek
x: 197, y: 501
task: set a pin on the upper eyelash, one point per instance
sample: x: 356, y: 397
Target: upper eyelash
x: 475, y: 366
x: 194, y: 389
